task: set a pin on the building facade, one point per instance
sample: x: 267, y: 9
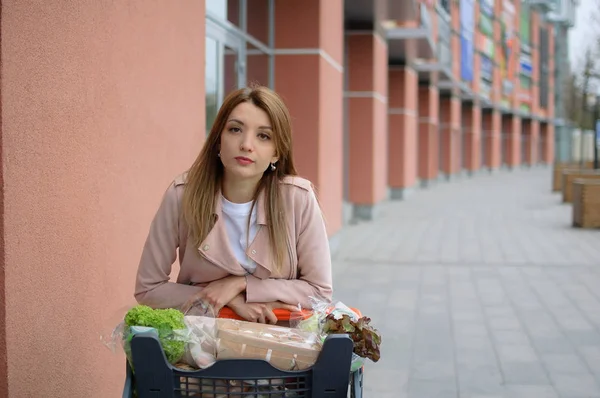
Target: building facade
x: 104, y: 102
x: 390, y: 96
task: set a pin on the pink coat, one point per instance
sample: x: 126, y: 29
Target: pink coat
x: 306, y: 273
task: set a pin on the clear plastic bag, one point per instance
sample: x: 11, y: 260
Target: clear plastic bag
x: 200, y: 318
x: 224, y: 338
x: 283, y: 347
x: 166, y: 324
x: 202, y: 353
x: 336, y: 317
x: 227, y: 338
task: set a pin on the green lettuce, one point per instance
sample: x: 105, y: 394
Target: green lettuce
x: 165, y: 321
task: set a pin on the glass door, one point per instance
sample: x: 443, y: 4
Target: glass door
x: 224, y: 63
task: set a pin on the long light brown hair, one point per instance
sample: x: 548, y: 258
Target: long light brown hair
x: 205, y: 176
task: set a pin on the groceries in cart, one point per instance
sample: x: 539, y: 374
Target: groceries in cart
x: 284, y: 348
x: 198, y: 338
x: 336, y: 318
x: 167, y: 325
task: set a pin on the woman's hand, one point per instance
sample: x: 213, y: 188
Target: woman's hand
x: 258, y: 312
x: 218, y: 293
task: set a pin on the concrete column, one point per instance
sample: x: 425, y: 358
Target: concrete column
x: 528, y: 143
x: 471, y: 121
x: 491, y: 125
x: 513, y: 158
x: 428, y: 140
x: 309, y: 76
x: 450, y: 135
x: 536, y: 156
x: 367, y: 122
x: 402, y: 129
x: 547, y: 136
x: 531, y: 140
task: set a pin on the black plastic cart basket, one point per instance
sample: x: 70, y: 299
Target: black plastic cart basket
x: 329, y: 377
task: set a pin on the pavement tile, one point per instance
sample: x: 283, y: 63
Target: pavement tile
x: 563, y: 363
x: 506, y: 337
x: 577, y: 385
x: 543, y: 391
x: 520, y: 372
x: 431, y: 389
x: 516, y: 353
x: 481, y: 289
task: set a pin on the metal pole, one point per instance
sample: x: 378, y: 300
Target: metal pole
x: 584, y: 110
x: 595, y: 127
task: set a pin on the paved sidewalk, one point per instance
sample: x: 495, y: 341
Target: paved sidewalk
x: 480, y: 288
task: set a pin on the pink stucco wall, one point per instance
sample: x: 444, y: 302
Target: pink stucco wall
x: 515, y: 137
x: 534, y: 142
x: 3, y: 358
x: 402, y: 121
x: 311, y: 84
x: 102, y: 104
x: 547, y: 135
x: 471, y: 120
x: 330, y: 148
x: 450, y: 125
x: 367, y: 118
x: 428, y: 141
x: 331, y: 26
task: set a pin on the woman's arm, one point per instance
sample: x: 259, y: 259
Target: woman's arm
x: 152, y: 286
x: 314, y: 265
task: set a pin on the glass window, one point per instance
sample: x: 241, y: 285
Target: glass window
x: 236, y: 58
x: 445, y: 5
x: 487, y: 7
x: 525, y: 82
x: 222, y: 74
x: 487, y: 68
x: 486, y: 25
x: 228, y: 10
x: 212, y: 81
x: 217, y: 7
x: 525, y: 27
x: 485, y: 89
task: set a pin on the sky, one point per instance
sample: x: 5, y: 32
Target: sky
x: 581, y: 36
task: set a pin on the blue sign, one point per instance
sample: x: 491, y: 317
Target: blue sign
x: 467, y: 33
x: 597, y: 132
x: 525, y: 63
x: 466, y: 59
x: 487, y: 68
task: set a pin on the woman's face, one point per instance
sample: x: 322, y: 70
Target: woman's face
x: 247, y: 143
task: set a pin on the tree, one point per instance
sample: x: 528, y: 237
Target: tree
x: 583, y: 84
x: 572, y: 90
x: 589, y: 76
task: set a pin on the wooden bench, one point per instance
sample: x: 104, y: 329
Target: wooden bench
x: 560, y: 167
x: 586, y: 203
x: 569, y: 176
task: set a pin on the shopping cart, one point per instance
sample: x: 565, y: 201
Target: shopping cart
x: 329, y: 377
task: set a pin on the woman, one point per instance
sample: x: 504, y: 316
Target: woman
x: 249, y: 231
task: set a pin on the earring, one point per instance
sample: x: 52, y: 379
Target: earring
x: 219, y: 154
x: 273, y: 167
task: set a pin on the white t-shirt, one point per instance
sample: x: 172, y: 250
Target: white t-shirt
x: 236, y: 223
